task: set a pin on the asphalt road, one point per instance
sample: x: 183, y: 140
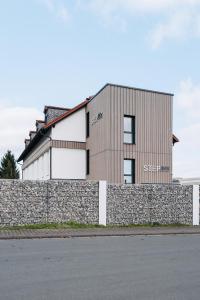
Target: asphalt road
x: 140, y: 267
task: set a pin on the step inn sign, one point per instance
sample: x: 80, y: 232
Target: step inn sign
x: 152, y: 168
x: 97, y: 118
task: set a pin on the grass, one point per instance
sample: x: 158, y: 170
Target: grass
x: 74, y: 225
x: 155, y: 224
x: 66, y: 225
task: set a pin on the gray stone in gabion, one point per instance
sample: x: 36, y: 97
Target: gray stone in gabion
x: 73, y: 201
x: 29, y: 202
x: 33, y: 202
x: 140, y: 204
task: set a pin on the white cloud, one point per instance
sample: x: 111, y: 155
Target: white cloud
x: 135, y: 6
x: 131, y: 6
x: 49, y: 4
x: 63, y: 14
x: 177, y: 26
x: 188, y: 99
x: 16, y: 123
x: 182, y: 17
x: 186, y: 153
x: 58, y: 9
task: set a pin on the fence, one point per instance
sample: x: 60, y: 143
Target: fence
x: 93, y: 202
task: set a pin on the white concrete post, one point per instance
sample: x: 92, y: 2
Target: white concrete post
x: 195, y: 204
x: 102, y: 202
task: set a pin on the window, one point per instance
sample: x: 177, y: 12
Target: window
x: 87, y: 124
x: 87, y: 162
x: 129, y: 171
x: 129, y: 130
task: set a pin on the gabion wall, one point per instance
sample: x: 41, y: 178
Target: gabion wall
x: 34, y: 202
x: 142, y: 204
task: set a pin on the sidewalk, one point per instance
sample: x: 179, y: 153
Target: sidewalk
x: 94, y: 232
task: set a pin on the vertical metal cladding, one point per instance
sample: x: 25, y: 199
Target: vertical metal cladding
x: 99, y: 140
x: 153, y: 147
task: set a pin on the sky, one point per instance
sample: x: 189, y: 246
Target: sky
x: 58, y: 52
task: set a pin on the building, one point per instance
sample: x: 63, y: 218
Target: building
x: 121, y: 134
x: 187, y: 181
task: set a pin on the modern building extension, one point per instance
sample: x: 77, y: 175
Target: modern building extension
x: 121, y: 134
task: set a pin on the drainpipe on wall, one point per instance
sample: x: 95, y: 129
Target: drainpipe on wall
x: 50, y: 157
x: 21, y: 168
x: 50, y: 165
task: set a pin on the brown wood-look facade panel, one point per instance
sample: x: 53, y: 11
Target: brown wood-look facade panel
x: 47, y: 144
x: 68, y: 144
x: 99, y: 140
x: 153, y: 143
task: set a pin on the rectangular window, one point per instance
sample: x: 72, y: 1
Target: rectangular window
x: 129, y: 171
x: 129, y: 130
x: 87, y: 124
x: 87, y: 162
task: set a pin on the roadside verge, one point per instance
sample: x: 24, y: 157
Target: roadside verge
x: 95, y: 232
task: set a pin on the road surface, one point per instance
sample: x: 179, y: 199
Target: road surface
x: 139, y: 267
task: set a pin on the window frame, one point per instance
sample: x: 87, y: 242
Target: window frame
x: 87, y: 162
x: 87, y: 124
x: 132, y: 175
x: 132, y: 132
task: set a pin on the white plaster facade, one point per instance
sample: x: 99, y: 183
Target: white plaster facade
x: 39, y: 169
x: 48, y: 162
x: 68, y: 163
x: 71, y: 129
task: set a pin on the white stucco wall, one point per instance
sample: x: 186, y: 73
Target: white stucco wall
x: 68, y: 163
x: 72, y: 128
x: 39, y: 169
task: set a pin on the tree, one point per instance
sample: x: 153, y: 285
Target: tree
x: 8, y: 167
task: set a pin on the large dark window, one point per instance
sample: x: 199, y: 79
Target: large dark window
x: 87, y: 162
x: 129, y: 171
x: 87, y: 124
x: 129, y: 130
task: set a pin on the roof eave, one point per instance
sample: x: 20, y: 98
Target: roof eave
x: 45, y: 128
x: 66, y: 114
x: 130, y: 87
x: 32, y: 143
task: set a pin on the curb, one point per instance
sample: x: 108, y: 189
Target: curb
x: 50, y: 235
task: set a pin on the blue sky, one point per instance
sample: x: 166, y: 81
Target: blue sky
x: 58, y: 52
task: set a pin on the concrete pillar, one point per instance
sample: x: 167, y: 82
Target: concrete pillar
x: 195, y: 204
x: 102, y: 202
